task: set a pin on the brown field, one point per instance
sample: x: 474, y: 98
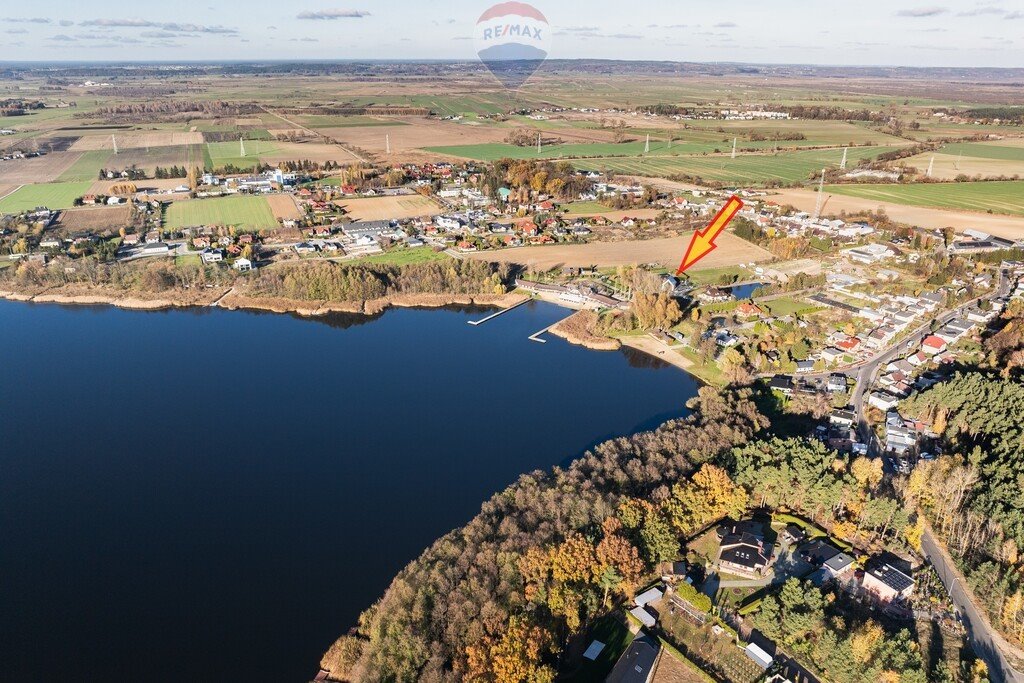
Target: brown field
x: 95, y: 218
x: 7, y: 189
x: 949, y: 166
x: 136, y: 140
x: 666, y: 251
x: 418, y: 133
x: 149, y: 159
x: 284, y: 207
x: 38, y: 170
x: 671, y: 670
x: 386, y: 208
x: 1009, y: 227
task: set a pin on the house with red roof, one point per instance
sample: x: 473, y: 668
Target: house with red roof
x: 934, y: 345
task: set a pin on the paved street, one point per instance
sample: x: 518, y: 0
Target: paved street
x: 988, y: 644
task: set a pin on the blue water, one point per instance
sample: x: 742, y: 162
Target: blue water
x: 209, y: 495
x: 742, y: 292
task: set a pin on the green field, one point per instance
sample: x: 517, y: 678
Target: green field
x: 1005, y: 197
x: 402, y: 257
x: 50, y: 195
x: 326, y: 121
x: 659, y: 148
x: 786, y: 167
x: 220, y: 154
x: 244, y: 212
x: 984, y: 150
x: 87, y: 167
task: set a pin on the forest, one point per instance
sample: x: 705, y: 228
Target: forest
x: 502, y: 598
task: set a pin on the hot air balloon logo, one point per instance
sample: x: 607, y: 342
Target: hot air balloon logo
x: 512, y: 39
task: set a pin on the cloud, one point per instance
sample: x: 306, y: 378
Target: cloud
x: 168, y: 26
x: 922, y: 12
x: 978, y: 11
x: 158, y: 34
x: 307, y: 39
x: 63, y: 38
x: 1014, y: 15
x: 66, y: 22
x: 726, y: 24
x: 332, y: 14
x: 27, y: 20
x: 15, y: 31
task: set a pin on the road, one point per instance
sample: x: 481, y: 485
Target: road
x: 987, y: 643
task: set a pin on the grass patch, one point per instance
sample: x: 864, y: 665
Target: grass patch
x: 616, y: 638
x: 579, y: 208
x: 50, y: 195
x: 403, y: 257
x: 87, y: 167
x: 1005, y: 197
x: 221, y: 154
x: 188, y: 260
x: 788, y: 306
x: 243, y: 212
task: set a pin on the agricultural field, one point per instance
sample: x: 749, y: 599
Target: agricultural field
x: 283, y: 207
x: 666, y: 251
x: 97, y: 218
x: 785, y: 167
x: 42, y: 169
x: 220, y: 154
x: 325, y: 121
x: 50, y: 195
x: 251, y: 213
x: 135, y: 140
x: 1006, y: 197
x: 86, y: 167
x: 148, y: 159
x: 388, y: 208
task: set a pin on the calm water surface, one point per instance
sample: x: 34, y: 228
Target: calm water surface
x: 208, y: 495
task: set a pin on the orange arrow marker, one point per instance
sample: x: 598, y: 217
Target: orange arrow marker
x: 703, y: 243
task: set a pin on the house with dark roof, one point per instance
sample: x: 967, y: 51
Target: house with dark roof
x: 887, y: 582
x: 743, y: 553
x: 637, y: 663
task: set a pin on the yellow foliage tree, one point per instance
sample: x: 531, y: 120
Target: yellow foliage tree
x: 709, y: 495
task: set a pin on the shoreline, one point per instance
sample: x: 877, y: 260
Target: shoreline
x: 228, y: 300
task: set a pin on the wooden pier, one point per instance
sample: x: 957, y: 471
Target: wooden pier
x: 494, y: 315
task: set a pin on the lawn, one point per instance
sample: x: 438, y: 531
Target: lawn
x: 1006, y: 197
x: 402, y: 257
x: 243, y: 212
x: 87, y: 167
x: 327, y: 121
x: 616, y: 638
x: 50, y: 195
x: 788, y: 306
x: 586, y: 208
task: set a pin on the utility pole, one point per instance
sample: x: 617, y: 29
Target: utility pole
x: 842, y: 164
x: 647, y: 147
x: 931, y: 166
x: 113, y: 139
x: 387, y: 143
x: 821, y: 197
x: 241, y: 146
x: 734, y: 148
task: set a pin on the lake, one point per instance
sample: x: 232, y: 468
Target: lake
x: 209, y: 495
x: 741, y: 292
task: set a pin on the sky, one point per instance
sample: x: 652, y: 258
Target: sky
x: 853, y: 32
